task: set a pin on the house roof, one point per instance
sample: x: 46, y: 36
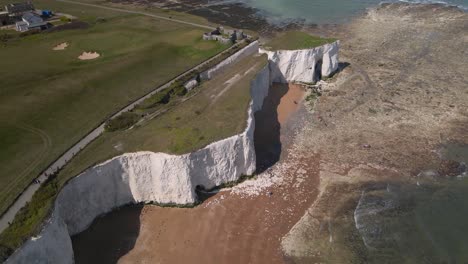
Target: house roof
x: 32, y: 18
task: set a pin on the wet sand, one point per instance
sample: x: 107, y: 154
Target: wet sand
x: 226, y: 228
x: 290, y: 102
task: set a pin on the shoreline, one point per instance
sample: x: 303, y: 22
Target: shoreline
x: 241, y: 15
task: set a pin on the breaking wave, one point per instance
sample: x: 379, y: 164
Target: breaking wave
x: 461, y: 6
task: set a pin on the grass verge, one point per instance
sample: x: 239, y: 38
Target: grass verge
x: 296, y: 40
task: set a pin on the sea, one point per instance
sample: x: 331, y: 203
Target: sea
x: 322, y: 11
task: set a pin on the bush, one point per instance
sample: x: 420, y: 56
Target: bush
x: 314, y: 94
x: 29, y: 219
x: 179, y: 90
x: 123, y: 121
x: 5, y: 252
x: 30, y: 32
x: 5, y: 37
x: 101, y: 20
x: 65, y: 19
x: 162, y: 97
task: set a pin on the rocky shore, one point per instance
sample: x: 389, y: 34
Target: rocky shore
x: 377, y: 130
x: 230, y: 14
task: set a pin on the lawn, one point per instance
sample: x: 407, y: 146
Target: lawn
x: 295, y: 40
x: 49, y: 99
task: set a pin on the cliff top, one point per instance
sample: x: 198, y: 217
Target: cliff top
x: 214, y: 111
x: 296, y: 40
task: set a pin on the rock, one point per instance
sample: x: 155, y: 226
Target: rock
x: 191, y: 84
x: 300, y: 65
x: 450, y: 168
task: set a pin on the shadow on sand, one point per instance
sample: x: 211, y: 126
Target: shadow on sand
x: 108, y: 238
x: 267, y: 129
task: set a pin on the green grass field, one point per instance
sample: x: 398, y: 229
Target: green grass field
x: 295, y: 40
x: 49, y: 99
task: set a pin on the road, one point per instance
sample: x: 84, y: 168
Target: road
x: 27, y: 194
x: 139, y: 13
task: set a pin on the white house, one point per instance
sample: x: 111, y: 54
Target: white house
x: 30, y: 21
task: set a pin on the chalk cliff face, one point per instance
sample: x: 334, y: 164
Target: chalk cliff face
x: 303, y: 65
x: 168, y: 179
x: 143, y: 177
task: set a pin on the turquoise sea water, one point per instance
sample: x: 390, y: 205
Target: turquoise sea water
x: 324, y: 11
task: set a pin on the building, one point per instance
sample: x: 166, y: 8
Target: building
x: 19, y: 8
x: 225, y: 36
x: 235, y: 34
x: 30, y: 21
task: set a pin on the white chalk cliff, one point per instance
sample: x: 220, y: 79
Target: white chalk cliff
x: 143, y: 177
x: 303, y: 65
x: 167, y: 179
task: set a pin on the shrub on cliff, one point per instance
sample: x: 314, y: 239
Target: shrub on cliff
x: 28, y: 221
x: 123, y: 121
x: 162, y: 97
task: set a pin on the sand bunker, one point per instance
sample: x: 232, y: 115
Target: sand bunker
x: 61, y: 46
x: 88, y: 55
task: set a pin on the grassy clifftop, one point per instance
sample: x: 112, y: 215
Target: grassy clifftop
x: 296, y: 40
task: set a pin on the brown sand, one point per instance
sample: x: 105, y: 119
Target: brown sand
x: 89, y: 55
x: 61, y: 46
x: 290, y: 101
x: 226, y: 228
